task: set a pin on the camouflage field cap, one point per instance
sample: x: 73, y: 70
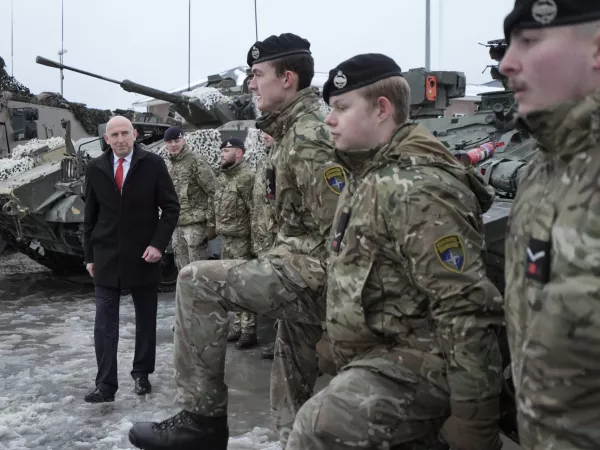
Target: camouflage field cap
x: 359, y: 71
x: 274, y: 47
x: 528, y: 14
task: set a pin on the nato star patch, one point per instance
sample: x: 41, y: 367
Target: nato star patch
x: 335, y: 178
x: 450, y: 251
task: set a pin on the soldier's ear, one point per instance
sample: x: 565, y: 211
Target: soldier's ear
x: 385, y: 109
x: 289, y: 79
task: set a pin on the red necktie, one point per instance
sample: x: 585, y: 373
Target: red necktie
x: 119, y: 174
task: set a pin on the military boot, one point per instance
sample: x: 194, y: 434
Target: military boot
x: 246, y: 340
x: 234, y: 333
x: 269, y: 352
x: 184, y: 431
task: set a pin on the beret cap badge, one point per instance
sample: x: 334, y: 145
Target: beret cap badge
x: 544, y: 11
x: 340, y: 80
x: 255, y: 52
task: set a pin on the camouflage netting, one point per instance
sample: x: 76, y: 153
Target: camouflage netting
x: 20, y: 161
x: 208, y: 96
x: 207, y: 143
x: 89, y: 118
x: 20, y: 93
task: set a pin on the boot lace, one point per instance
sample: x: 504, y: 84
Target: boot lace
x: 180, y: 420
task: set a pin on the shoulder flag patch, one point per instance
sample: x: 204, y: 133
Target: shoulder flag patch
x: 335, y: 178
x: 450, y: 252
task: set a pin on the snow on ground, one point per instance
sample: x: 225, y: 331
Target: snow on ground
x: 47, y: 365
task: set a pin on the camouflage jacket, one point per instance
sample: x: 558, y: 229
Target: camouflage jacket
x: 194, y: 182
x: 406, y: 278
x: 303, y: 181
x: 553, y: 281
x: 233, y: 200
x: 263, y: 226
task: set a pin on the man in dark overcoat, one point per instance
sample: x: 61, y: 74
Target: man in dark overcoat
x: 124, y: 238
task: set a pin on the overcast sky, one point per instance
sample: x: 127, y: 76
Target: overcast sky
x: 146, y: 41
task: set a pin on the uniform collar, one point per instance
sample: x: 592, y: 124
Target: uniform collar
x: 568, y: 128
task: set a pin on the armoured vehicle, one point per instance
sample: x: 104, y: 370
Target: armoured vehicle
x: 25, y: 116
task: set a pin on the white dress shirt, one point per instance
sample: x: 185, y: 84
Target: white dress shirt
x: 126, y: 164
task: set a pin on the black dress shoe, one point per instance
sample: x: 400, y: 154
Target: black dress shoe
x: 142, y: 386
x: 184, y: 431
x: 97, y: 396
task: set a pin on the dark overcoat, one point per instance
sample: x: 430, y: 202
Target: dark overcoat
x: 119, y: 226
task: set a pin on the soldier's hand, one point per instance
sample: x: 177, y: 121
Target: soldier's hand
x: 90, y: 268
x: 326, y: 364
x: 473, y: 425
x: 211, y: 233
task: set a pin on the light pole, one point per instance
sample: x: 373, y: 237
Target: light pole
x: 428, y: 34
x: 60, y: 54
x: 255, y: 21
x: 62, y: 50
x: 189, y: 44
x: 12, y: 53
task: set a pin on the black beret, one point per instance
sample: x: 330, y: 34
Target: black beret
x: 274, y: 47
x: 550, y: 13
x: 173, y: 133
x: 359, y: 71
x: 234, y: 143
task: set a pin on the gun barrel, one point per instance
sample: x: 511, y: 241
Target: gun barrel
x: 126, y: 85
x: 130, y: 86
x: 47, y: 62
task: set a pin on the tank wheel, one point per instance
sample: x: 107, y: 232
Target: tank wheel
x: 168, y: 273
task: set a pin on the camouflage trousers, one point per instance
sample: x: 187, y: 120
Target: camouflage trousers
x: 190, y: 244
x: 365, y: 408
x: 235, y: 247
x: 207, y: 290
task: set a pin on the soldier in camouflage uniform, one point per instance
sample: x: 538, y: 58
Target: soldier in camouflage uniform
x: 195, y: 182
x: 262, y: 238
x: 233, y: 206
x: 6, y: 122
x: 553, y: 244
x: 286, y: 283
x: 410, y: 311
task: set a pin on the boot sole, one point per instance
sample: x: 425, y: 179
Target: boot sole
x: 94, y: 402
x: 135, y: 441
